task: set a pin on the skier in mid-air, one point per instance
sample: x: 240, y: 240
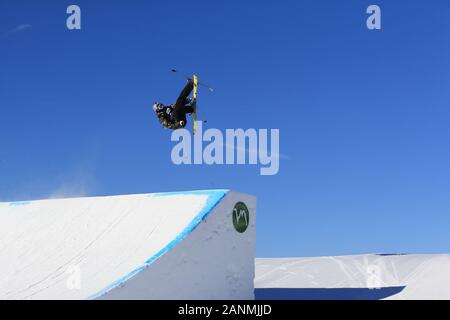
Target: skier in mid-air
x: 174, y: 115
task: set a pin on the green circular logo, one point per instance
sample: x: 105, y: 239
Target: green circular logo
x: 241, y: 217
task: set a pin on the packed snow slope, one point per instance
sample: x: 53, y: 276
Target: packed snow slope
x: 366, y: 277
x: 184, y: 245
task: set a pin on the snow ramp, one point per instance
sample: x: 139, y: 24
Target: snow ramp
x: 358, y: 277
x: 183, y: 245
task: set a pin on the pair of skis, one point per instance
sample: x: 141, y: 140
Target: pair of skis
x: 194, y: 96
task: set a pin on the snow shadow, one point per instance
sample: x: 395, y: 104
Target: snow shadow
x: 325, y: 293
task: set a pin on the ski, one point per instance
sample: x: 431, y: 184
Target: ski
x: 194, y: 104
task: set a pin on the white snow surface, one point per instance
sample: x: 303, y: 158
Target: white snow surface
x: 83, y: 248
x: 423, y: 276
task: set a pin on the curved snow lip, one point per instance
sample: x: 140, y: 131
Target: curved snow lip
x: 214, y: 197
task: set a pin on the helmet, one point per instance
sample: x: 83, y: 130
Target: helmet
x: 157, y: 106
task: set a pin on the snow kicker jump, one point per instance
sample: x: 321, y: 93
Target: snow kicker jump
x: 184, y: 245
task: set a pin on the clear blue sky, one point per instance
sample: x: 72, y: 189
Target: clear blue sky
x: 363, y: 115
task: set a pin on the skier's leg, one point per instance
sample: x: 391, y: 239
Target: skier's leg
x: 179, y: 107
x: 181, y: 101
x: 189, y: 109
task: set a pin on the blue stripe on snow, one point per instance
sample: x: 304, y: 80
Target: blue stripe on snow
x: 214, y: 197
x: 196, y: 192
x: 19, y: 203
